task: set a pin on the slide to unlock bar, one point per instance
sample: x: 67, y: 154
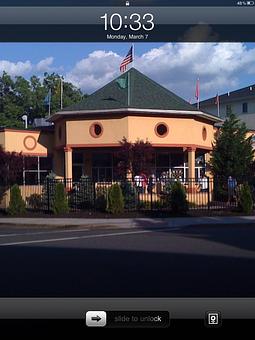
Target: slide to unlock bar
x: 128, y: 319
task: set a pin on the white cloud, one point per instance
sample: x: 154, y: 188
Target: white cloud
x: 45, y: 65
x: 96, y: 70
x: 15, y: 69
x: 176, y: 66
x: 218, y: 65
x: 221, y: 67
x: 26, y: 68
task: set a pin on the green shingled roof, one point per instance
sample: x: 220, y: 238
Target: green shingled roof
x: 132, y: 90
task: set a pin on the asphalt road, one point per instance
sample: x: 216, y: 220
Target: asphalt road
x: 195, y: 261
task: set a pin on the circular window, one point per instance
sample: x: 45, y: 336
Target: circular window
x: 96, y: 130
x: 204, y: 133
x: 30, y: 143
x: 161, y: 130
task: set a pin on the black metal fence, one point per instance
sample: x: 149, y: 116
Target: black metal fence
x: 153, y: 195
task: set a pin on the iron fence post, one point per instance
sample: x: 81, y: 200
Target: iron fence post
x: 94, y: 195
x: 208, y: 193
x: 151, y: 199
x: 48, y: 195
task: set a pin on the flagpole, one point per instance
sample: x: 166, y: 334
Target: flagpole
x: 49, y: 102
x: 61, y: 93
x: 128, y: 88
x: 198, y: 97
x: 133, y: 45
x: 218, y: 105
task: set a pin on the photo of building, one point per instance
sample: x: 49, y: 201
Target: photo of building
x: 83, y: 138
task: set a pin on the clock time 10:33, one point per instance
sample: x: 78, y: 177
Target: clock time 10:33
x: 136, y: 21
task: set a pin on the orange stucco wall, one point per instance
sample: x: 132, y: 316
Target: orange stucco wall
x: 183, y: 131
x: 27, y: 142
x: 77, y: 132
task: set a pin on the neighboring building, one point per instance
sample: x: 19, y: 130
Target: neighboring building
x: 240, y: 102
x: 85, y: 136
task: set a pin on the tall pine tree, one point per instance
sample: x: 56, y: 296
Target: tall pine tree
x: 232, y: 153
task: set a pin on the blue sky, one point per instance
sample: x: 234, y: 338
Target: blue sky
x: 221, y: 67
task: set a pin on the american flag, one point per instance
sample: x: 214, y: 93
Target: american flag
x: 127, y: 60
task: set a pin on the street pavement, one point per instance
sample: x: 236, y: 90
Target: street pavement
x: 146, y: 260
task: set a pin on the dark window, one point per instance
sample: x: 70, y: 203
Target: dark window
x: 204, y: 133
x: 77, y: 157
x: 31, y: 178
x: 162, y: 160
x: 77, y: 172
x: 96, y: 130
x: 45, y: 163
x: 245, y: 107
x: 101, y: 159
x: 177, y: 160
x: 31, y: 163
x: 161, y: 130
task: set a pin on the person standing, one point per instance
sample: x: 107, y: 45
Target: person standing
x: 232, y: 184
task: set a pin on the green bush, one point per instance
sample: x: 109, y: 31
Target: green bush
x: 179, y: 203
x: 116, y: 199
x: 17, y: 204
x: 35, y: 201
x: 130, y: 195
x: 166, y: 195
x: 60, y: 203
x: 245, y: 199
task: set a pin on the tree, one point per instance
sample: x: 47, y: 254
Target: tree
x: 19, y: 96
x: 143, y: 155
x: 17, y: 205
x: 125, y: 158
x: 232, y: 153
x: 116, y: 199
x: 245, y: 200
x: 136, y: 157
x: 11, y: 165
x: 60, y: 203
x: 179, y: 202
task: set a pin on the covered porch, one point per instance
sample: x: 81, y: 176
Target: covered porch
x: 101, y: 164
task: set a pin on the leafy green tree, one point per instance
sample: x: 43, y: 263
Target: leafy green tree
x: 136, y: 157
x: 245, y: 200
x: 19, y: 96
x: 116, y: 199
x: 232, y: 153
x: 60, y: 203
x: 17, y: 205
x: 11, y: 165
x: 179, y: 202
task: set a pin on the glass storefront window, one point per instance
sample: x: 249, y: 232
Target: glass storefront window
x: 36, y: 169
x: 162, y: 160
x: 77, y: 158
x: 101, y: 159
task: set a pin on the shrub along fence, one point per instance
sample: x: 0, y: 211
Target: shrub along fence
x: 167, y: 194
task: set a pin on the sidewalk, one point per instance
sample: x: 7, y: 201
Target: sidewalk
x: 124, y: 223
